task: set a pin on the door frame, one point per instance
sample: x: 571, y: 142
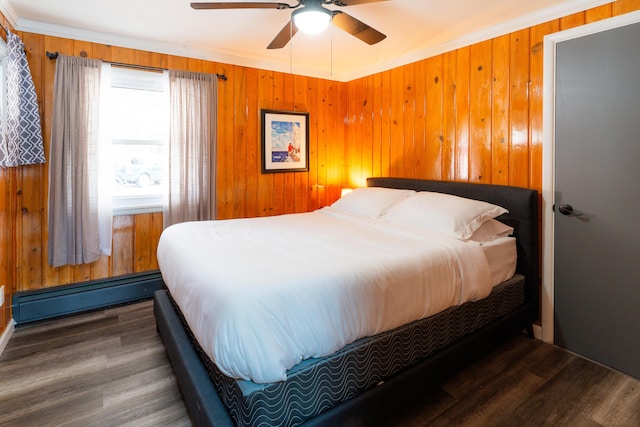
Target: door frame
x: 548, y: 156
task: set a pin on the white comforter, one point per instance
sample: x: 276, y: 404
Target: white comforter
x: 262, y: 294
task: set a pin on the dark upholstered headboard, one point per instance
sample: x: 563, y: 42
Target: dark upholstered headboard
x: 522, y: 204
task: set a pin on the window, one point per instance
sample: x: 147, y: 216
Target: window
x: 136, y: 106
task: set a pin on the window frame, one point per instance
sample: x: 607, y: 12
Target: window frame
x: 144, y: 203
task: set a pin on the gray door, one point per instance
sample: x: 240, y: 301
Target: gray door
x: 597, y: 247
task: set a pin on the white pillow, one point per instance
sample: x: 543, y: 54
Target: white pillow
x: 491, y: 230
x: 370, y: 201
x: 457, y: 216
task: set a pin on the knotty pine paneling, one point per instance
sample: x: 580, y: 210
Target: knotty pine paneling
x: 434, y: 116
x: 482, y: 107
x: 500, y: 111
x: 480, y: 79
x: 472, y: 114
x: 449, y: 119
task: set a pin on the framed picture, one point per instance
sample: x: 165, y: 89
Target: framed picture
x: 285, y: 141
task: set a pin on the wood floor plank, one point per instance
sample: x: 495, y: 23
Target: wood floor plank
x: 104, y: 368
x: 621, y: 402
x: 529, y: 383
x: 109, y: 369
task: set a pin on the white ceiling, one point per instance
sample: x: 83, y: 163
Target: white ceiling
x: 415, y: 29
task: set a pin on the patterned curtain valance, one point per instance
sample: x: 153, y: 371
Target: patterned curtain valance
x: 21, y: 142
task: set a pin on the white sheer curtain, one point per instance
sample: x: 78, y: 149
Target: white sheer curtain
x: 192, y: 147
x: 79, y: 222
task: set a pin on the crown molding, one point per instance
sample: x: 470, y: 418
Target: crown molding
x: 38, y: 27
x: 8, y: 12
x: 507, y: 27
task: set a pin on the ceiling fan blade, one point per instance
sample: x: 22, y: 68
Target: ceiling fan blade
x: 353, y: 2
x: 356, y: 28
x: 240, y: 5
x: 283, y: 37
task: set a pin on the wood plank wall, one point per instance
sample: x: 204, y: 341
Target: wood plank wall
x: 473, y: 114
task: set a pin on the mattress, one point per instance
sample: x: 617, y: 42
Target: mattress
x: 316, y: 385
x: 279, y: 290
x: 501, y: 257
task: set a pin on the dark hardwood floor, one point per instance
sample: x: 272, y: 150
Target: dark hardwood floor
x: 109, y: 368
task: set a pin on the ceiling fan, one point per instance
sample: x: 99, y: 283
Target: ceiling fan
x: 311, y: 18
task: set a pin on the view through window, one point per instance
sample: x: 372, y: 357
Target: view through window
x: 138, y: 125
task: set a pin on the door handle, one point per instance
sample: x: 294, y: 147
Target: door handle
x: 566, y: 209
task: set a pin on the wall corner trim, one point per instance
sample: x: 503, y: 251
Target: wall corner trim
x: 44, y: 304
x: 6, y: 335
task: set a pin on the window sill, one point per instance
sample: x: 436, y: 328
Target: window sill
x: 136, y: 211
x: 137, y: 204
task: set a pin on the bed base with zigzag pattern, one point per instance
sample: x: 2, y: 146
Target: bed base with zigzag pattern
x: 316, y: 385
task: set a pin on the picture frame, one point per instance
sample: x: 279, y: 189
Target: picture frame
x: 284, y: 141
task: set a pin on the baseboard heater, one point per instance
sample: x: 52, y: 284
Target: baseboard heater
x: 44, y: 304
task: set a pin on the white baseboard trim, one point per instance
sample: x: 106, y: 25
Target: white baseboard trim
x: 6, y: 335
x: 537, y: 331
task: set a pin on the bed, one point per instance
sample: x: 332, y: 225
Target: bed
x: 367, y: 372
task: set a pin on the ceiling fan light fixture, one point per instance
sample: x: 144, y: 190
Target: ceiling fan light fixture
x: 311, y: 20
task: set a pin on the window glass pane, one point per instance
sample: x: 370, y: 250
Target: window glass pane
x: 139, y: 115
x: 138, y: 126
x: 138, y: 169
